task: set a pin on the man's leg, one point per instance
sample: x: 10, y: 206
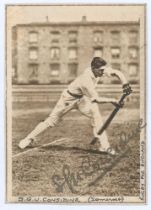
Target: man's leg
x: 60, y: 109
x: 97, y: 122
x: 103, y: 138
x: 92, y: 111
x: 42, y: 126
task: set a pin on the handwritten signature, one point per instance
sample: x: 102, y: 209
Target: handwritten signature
x: 89, y: 168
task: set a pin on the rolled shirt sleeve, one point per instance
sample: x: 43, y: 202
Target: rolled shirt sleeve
x: 113, y: 72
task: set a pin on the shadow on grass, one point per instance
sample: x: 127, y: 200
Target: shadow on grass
x: 74, y: 148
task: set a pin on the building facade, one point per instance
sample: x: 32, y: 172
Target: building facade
x: 51, y: 53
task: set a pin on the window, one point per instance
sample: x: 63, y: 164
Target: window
x: 115, y: 36
x: 72, y: 53
x: 116, y: 66
x: 33, y: 76
x: 133, y: 52
x: 33, y: 37
x: 72, y: 67
x: 115, y: 52
x: 133, y: 37
x: 33, y: 53
x: 55, y: 36
x: 98, y: 52
x: 55, y: 53
x: 72, y: 36
x: 98, y: 37
x: 54, y: 69
x: 133, y: 69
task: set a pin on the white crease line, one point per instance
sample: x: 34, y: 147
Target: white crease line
x: 36, y: 148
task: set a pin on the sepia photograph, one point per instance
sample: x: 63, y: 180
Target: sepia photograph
x: 76, y: 103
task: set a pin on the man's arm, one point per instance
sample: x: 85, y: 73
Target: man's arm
x: 104, y: 100
x: 90, y: 90
x: 113, y: 72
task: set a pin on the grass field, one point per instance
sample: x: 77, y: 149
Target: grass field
x: 71, y: 166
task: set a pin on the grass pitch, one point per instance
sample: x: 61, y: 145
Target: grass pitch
x: 71, y: 166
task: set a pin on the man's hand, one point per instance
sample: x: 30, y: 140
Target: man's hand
x: 113, y: 101
x: 127, y: 89
x: 116, y: 103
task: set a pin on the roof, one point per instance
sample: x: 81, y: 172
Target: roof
x: 79, y: 23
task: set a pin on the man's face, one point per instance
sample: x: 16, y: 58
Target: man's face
x: 98, y: 72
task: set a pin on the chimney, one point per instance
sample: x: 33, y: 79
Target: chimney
x: 84, y: 18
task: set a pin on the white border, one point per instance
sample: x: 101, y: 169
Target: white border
x: 5, y: 206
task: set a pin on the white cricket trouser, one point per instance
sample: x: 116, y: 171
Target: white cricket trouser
x: 86, y: 107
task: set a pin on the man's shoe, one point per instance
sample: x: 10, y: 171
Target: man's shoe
x: 102, y: 150
x: 25, y: 143
x: 109, y: 151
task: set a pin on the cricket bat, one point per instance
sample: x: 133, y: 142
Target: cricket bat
x: 110, y: 118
